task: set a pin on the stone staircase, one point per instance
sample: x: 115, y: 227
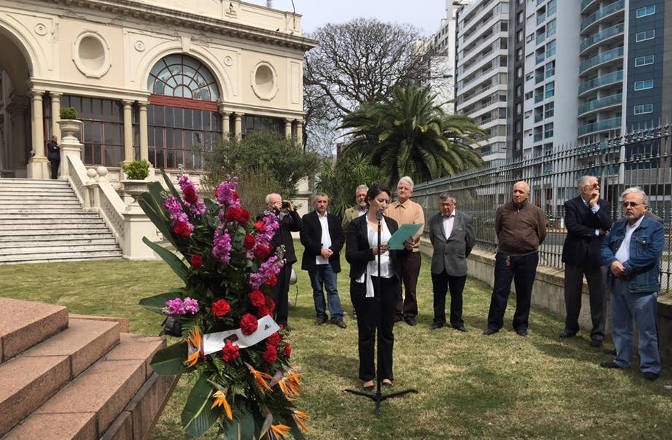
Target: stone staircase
x: 43, y: 220
x: 75, y: 377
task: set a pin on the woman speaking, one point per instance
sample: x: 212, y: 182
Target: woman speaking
x: 374, y: 285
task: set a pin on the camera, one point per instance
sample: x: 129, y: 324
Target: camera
x: 286, y: 204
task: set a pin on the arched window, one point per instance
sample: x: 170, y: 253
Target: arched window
x: 182, y: 76
x: 182, y: 118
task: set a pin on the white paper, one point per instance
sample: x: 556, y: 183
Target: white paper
x: 214, y: 342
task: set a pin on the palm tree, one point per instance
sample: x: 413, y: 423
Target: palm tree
x: 407, y: 134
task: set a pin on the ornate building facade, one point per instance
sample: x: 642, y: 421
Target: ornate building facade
x: 156, y: 80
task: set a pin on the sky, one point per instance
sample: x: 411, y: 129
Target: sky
x: 425, y: 15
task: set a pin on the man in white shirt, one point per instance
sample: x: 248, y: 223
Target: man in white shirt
x: 323, y: 238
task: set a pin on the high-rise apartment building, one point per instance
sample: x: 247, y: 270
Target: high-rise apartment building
x: 482, y: 78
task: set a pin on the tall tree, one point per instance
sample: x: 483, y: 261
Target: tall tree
x: 354, y: 63
x: 340, y: 180
x: 262, y: 160
x: 408, y: 134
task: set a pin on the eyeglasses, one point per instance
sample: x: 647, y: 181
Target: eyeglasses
x: 594, y: 185
x: 630, y: 204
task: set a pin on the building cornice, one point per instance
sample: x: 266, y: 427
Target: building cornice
x: 171, y: 17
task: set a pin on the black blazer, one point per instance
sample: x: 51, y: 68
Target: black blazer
x: 289, y: 222
x: 582, y: 246
x: 357, y: 250
x: 311, y: 238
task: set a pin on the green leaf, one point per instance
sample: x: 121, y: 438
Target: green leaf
x: 152, y: 204
x: 169, y: 257
x: 170, y: 360
x: 197, y: 415
x: 156, y: 303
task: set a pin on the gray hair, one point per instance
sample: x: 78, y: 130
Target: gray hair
x: 446, y: 196
x: 406, y: 179
x: 320, y: 194
x: 583, y: 181
x: 636, y: 190
x: 268, y: 197
x: 362, y: 188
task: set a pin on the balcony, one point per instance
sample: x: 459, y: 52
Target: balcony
x: 601, y: 81
x: 601, y: 13
x: 601, y: 36
x: 601, y: 103
x: 586, y: 3
x: 606, y: 124
x: 601, y: 58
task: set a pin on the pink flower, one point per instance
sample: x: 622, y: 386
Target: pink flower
x: 221, y: 247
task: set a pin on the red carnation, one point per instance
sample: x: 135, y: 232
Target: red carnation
x: 190, y: 194
x: 259, y: 226
x: 230, y: 352
x: 274, y: 339
x: 239, y: 215
x: 263, y: 311
x: 288, y: 350
x: 262, y: 251
x: 196, y: 261
x: 257, y: 298
x: 272, y: 281
x: 271, y: 354
x: 220, y: 308
x: 183, y: 229
x: 271, y: 304
x: 248, y: 324
x: 249, y: 242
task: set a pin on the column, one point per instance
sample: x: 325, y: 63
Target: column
x: 144, y: 139
x: 226, y: 121
x: 288, y: 129
x: 38, y: 165
x: 128, y: 130
x: 238, y: 130
x: 55, y: 113
x: 299, y: 133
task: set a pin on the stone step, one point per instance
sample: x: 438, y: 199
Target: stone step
x: 30, y: 324
x: 40, y: 257
x: 45, y: 239
x: 37, y: 183
x: 39, y: 222
x: 45, y: 228
x: 51, y: 211
x: 51, y: 249
x: 57, y: 241
x: 39, y: 214
x: 28, y: 380
x: 100, y: 397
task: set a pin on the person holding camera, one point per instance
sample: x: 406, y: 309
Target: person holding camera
x: 289, y: 221
x: 54, y: 156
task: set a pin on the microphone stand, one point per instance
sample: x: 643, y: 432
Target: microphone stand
x: 378, y: 396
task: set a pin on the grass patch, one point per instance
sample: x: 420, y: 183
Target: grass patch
x: 469, y: 386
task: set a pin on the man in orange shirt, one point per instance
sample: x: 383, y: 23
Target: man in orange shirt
x: 406, y: 211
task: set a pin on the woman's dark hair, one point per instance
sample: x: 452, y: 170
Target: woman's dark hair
x: 376, y: 189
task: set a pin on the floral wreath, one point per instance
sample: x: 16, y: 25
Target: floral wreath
x: 245, y: 383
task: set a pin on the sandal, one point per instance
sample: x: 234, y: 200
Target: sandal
x: 387, y: 382
x: 368, y: 385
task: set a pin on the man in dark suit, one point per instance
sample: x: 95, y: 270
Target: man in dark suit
x: 452, y: 238
x: 323, y: 238
x: 587, y: 220
x: 289, y: 221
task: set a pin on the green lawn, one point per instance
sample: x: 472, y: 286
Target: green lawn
x: 469, y: 386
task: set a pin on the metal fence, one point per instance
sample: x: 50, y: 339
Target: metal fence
x: 641, y: 158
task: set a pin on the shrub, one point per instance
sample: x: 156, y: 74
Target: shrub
x: 136, y: 169
x: 68, y: 113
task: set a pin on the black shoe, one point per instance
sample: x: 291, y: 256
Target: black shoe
x: 398, y: 318
x: 567, y: 334
x: 610, y: 364
x: 461, y: 328
x: 320, y: 321
x: 340, y: 323
x: 522, y: 332
x: 597, y: 343
x: 489, y: 331
x: 650, y: 376
x: 411, y: 321
x: 437, y: 325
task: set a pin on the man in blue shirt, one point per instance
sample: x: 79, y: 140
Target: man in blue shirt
x: 632, y: 252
